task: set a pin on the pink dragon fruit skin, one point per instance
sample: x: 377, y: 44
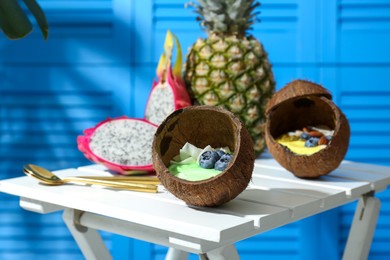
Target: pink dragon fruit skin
x: 96, y: 134
x: 169, y: 93
x: 165, y: 98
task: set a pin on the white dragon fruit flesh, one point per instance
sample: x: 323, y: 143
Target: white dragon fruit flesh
x: 169, y: 93
x: 122, y: 144
x: 125, y: 144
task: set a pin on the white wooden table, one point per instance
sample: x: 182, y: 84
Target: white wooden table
x: 274, y: 198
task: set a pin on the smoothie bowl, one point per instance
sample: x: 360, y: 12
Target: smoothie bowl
x: 207, y: 128
x: 305, y: 131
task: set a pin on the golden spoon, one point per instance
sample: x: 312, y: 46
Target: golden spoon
x: 49, y: 178
x: 135, y: 179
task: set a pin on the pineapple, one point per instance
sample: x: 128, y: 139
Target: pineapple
x: 230, y: 68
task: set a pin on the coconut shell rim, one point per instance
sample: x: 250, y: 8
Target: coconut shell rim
x: 336, y: 130
x: 343, y: 125
x: 295, y: 90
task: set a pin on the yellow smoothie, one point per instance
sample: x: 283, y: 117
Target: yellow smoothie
x: 297, y: 146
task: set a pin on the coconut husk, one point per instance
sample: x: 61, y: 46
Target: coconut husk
x: 294, y: 89
x: 202, y: 126
x: 300, y: 104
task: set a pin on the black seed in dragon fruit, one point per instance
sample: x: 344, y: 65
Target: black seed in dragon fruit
x: 121, y: 144
x: 169, y: 93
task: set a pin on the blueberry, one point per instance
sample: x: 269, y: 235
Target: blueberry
x: 207, y: 164
x: 305, y: 136
x: 208, y: 159
x: 210, y: 154
x: 220, y: 153
x: 313, y: 141
x: 223, y: 162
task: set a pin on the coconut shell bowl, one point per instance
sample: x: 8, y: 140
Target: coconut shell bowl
x: 202, y: 126
x: 298, y: 105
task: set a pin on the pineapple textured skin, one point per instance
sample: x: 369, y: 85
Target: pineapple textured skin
x: 232, y: 72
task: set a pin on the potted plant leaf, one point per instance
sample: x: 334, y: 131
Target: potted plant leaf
x: 14, y: 21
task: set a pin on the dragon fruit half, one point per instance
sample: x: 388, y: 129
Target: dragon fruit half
x: 122, y: 144
x: 169, y: 93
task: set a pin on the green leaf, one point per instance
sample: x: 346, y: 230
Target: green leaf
x: 13, y: 21
x: 39, y: 15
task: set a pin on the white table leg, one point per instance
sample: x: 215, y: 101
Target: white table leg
x: 222, y: 253
x: 89, y: 241
x: 362, y: 229
x: 176, y: 254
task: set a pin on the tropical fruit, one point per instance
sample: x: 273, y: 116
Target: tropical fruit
x: 230, y: 68
x: 122, y: 144
x: 169, y: 93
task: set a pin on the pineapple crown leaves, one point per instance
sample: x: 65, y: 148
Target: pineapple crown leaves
x: 166, y: 57
x: 14, y: 22
x: 226, y: 17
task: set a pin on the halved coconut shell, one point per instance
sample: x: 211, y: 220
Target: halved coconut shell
x: 202, y: 126
x: 301, y: 104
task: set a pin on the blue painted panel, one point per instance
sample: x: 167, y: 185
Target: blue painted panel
x: 100, y: 61
x: 354, y: 79
x: 364, y: 31
x: 366, y: 104
x: 143, y: 81
x: 50, y: 92
x: 279, y: 25
x: 80, y: 31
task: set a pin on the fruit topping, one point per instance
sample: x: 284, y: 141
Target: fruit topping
x: 220, y: 152
x: 223, y: 162
x: 311, y: 142
x: 216, y: 159
x: 208, y: 159
x: 307, y: 141
x: 315, y: 133
x: 323, y: 140
x: 305, y: 136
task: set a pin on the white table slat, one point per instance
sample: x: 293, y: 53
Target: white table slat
x: 377, y: 181
x: 377, y: 175
x: 261, y: 166
x: 96, y: 169
x: 274, y: 197
x: 328, y: 197
x: 297, y: 204
x: 128, y: 206
x: 353, y: 189
x: 371, y: 168
x: 264, y: 216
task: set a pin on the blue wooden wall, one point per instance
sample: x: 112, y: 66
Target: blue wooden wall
x: 99, y: 62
